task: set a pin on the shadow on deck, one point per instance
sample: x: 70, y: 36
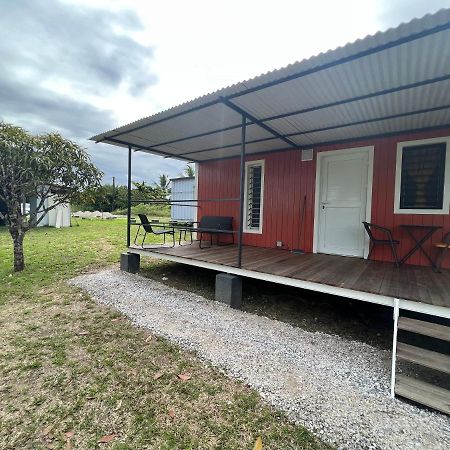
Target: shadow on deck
x: 384, y: 280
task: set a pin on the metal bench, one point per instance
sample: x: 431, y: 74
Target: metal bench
x: 214, y: 225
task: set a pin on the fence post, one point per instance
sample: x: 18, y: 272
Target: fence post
x: 394, y: 346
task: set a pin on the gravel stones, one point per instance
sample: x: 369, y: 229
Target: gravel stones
x: 337, y: 388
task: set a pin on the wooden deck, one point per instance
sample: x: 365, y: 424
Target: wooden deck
x: 414, y: 283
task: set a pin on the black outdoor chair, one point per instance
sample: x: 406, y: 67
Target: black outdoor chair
x: 148, y: 228
x: 371, y: 228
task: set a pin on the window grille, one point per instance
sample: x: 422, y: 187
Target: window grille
x: 254, y: 196
x: 422, y: 176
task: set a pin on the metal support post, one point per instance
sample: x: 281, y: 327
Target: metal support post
x: 129, y: 199
x: 241, y: 190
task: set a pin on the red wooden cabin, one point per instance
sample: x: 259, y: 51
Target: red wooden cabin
x: 301, y: 156
x: 298, y: 199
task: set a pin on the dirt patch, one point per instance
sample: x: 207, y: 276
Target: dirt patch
x: 311, y: 311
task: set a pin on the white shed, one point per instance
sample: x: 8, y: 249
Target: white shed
x: 58, y: 217
x: 183, y: 189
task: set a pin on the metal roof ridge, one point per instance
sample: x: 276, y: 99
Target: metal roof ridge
x: 181, y: 178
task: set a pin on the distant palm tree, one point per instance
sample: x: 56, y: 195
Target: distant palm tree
x: 164, y: 182
x: 189, y: 171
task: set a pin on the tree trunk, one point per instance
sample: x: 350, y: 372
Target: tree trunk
x: 19, y: 260
x: 17, y: 229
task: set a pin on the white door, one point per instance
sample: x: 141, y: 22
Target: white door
x: 342, y: 202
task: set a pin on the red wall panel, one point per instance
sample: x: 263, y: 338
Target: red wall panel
x: 288, y: 181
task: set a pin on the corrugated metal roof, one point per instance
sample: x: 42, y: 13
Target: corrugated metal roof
x: 381, y: 84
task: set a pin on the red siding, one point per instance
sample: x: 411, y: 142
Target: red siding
x: 288, y: 180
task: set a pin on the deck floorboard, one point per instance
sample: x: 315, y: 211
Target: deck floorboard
x: 415, y: 283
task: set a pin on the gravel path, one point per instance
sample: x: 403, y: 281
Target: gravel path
x: 337, y: 388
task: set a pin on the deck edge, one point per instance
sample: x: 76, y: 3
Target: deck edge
x: 383, y: 300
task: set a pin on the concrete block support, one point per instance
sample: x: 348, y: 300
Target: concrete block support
x: 130, y: 262
x: 229, y: 290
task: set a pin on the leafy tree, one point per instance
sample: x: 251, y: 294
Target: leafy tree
x: 162, y: 189
x: 115, y: 198
x: 164, y: 182
x: 36, y: 167
x: 189, y: 170
x: 144, y: 191
x: 109, y: 198
x: 103, y: 198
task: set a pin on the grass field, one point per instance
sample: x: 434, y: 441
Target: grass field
x: 73, y: 374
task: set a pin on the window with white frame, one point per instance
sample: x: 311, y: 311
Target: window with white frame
x: 254, y: 196
x: 422, y: 177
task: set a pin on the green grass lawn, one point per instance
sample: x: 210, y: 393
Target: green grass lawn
x: 73, y: 372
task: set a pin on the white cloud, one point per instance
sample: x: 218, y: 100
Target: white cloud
x: 187, y: 49
x: 201, y: 46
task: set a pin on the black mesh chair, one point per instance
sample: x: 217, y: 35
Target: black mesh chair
x: 387, y: 239
x: 148, y: 228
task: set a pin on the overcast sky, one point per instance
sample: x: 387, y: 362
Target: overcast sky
x: 86, y: 66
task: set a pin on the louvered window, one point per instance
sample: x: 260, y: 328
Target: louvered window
x: 254, y: 196
x: 422, y: 177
